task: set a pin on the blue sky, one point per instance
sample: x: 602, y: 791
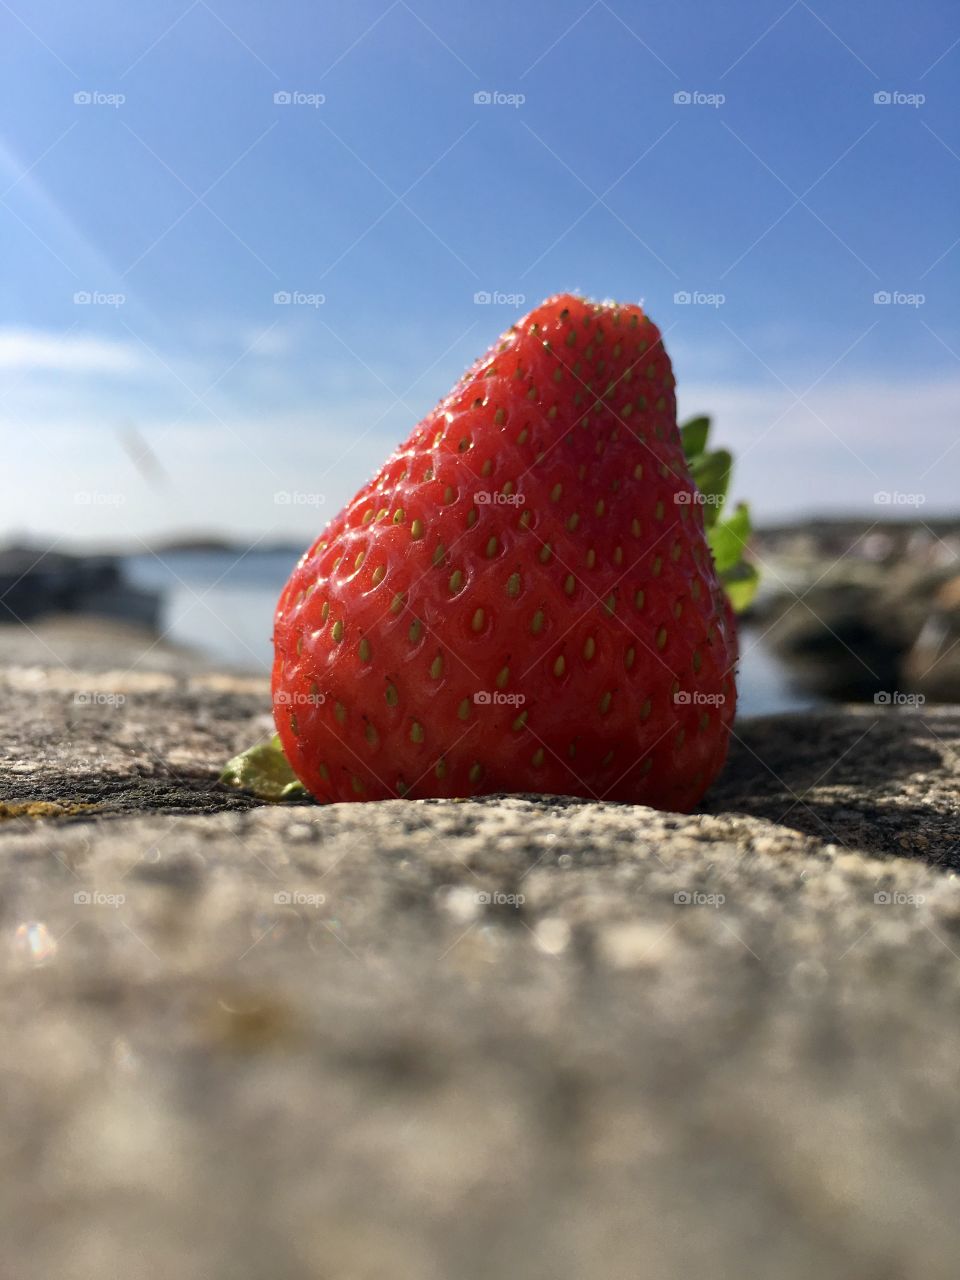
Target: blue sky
x: 181, y: 197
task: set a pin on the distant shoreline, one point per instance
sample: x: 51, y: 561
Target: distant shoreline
x: 821, y: 527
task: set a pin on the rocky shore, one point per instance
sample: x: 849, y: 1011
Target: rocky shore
x: 858, y: 609
x: 36, y: 582
x: 523, y: 1036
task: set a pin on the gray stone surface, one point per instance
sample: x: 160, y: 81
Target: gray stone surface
x: 480, y: 1039
x: 72, y: 643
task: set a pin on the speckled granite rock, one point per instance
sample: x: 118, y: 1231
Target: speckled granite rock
x: 520, y: 1037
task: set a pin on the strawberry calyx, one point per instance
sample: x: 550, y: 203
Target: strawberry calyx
x: 711, y: 470
x: 263, y: 769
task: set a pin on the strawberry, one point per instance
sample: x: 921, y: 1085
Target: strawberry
x: 523, y: 598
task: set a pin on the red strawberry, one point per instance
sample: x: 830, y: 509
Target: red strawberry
x: 522, y: 599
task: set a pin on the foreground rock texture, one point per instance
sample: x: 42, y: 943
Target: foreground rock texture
x: 525, y: 1037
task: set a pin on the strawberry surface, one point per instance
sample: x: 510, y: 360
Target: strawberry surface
x: 523, y: 598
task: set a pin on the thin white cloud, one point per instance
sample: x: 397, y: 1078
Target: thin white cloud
x: 845, y: 443
x: 874, y: 415
x: 69, y: 353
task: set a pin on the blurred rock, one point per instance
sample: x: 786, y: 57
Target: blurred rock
x: 854, y: 610
x: 932, y: 664
x: 35, y: 583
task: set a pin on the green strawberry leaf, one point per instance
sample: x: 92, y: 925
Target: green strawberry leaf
x: 694, y: 434
x: 741, y: 585
x: 711, y: 475
x: 728, y: 538
x: 263, y: 769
